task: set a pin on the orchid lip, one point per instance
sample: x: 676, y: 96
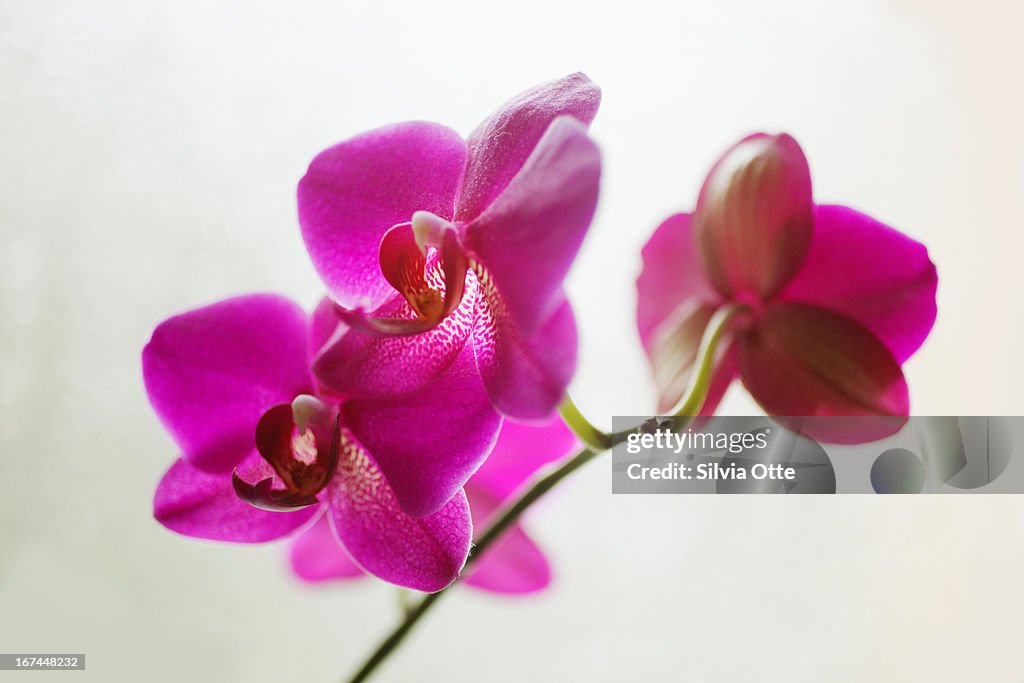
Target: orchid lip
x: 403, y: 262
x: 301, y: 442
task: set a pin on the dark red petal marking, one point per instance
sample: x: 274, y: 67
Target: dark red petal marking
x: 403, y: 262
x: 304, y: 456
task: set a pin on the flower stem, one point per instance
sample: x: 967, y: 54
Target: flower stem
x: 405, y: 601
x: 506, y: 519
x: 596, y: 442
x: 581, y: 426
x: 700, y: 383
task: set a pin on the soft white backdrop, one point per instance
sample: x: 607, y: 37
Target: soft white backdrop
x: 149, y: 157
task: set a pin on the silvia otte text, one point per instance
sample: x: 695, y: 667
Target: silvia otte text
x: 713, y: 471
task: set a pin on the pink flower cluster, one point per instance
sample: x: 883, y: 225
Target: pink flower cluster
x: 420, y: 394
x: 363, y: 423
x: 832, y: 301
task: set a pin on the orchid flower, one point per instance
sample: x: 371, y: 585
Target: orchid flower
x: 265, y: 454
x: 832, y: 300
x: 513, y: 565
x: 430, y: 244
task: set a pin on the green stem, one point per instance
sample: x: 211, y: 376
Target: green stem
x: 700, y: 382
x: 405, y: 601
x: 581, y: 426
x: 597, y: 442
x: 493, y: 532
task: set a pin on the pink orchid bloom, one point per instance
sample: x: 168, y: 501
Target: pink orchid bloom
x: 430, y: 244
x: 514, y: 564
x: 265, y: 455
x: 835, y: 301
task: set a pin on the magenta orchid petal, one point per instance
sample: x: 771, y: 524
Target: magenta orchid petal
x: 671, y: 276
x: 755, y: 217
x: 500, y: 146
x: 872, y: 273
x: 325, y: 326
x: 513, y: 564
x: 529, y: 236
x: 424, y: 553
x: 520, y: 451
x: 357, y: 190
x: 829, y: 302
x: 428, y: 443
x: 802, y: 360
x: 356, y: 364
x: 211, y: 372
x: 522, y: 201
x: 195, y: 503
x: 526, y: 377
x: 316, y: 555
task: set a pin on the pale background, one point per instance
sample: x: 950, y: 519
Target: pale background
x: 150, y: 153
